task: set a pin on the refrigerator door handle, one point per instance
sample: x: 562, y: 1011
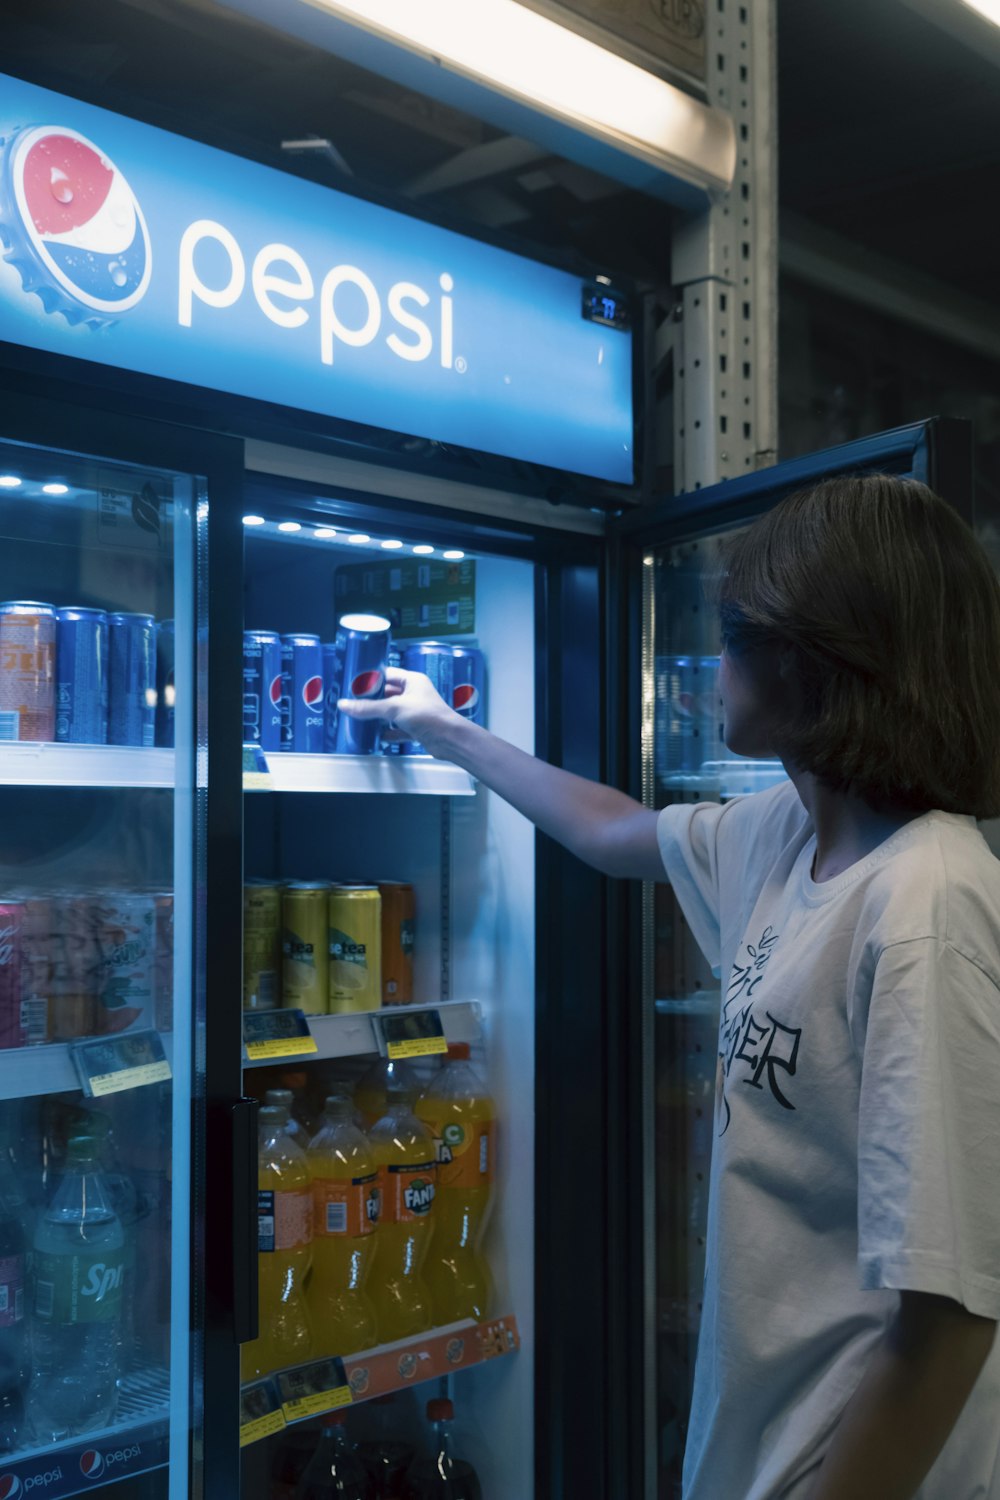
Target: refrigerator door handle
x: 244, y: 1137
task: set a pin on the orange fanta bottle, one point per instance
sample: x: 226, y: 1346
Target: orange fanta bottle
x: 284, y: 1237
x: 404, y: 1150
x: 346, y: 1204
x: 371, y: 1090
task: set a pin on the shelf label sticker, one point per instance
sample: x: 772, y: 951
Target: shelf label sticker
x: 309, y: 1390
x: 498, y: 1337
x: 276, y: 1033
x: 410, y: 1033
x: 256, y: 776
x: 261, y: 1412
x: 108, y: 1065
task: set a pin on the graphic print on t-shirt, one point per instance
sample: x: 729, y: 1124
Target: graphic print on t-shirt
x: 752, y: 1036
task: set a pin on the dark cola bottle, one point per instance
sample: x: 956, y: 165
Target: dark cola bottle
x: 442, y: 1476
x: 335, y: 1472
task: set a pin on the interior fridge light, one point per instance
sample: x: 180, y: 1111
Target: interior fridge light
x: 253, y: 520
x: 9, y: 481
x: 55, y: 489
x: 423, y: 551
x: 391, y: 546
x: 289, y: 526
x: 454, y: 555
x: 323, y: 532
x: 360, y: 539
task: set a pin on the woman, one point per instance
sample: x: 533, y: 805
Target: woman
x: 853, y: 914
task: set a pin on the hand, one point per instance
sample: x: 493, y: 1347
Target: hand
x: 412, y: 709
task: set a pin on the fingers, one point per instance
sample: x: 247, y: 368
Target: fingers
x: 362, y: 708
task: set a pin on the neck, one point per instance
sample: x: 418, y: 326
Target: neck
x: 847, y: 828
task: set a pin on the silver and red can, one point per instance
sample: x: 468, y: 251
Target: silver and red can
x: 126, y: 942
x: 354, y: 665
x: 132, y: 679
x: 27, y: 670
x: 302, y: 693
x: 262, y: 689
x: 468, y: 682
x: 81, y: 676
x: 11, y: 929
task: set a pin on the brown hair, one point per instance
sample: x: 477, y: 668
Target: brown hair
x: 884, y: 612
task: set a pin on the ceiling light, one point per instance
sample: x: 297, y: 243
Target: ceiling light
x: 423, y: 551
x: 325, y: 531
x: 55, y: 489
x: 9, y: 481
x: 359, y: 540
x: 604, y: 280
x: 454, y: 555
x: 289, y: 526
x: 253, y: 520
x: 391, y: 546
x: 532, y: 59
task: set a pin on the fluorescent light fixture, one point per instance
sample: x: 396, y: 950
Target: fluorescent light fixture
x: 9, y: 481
x: 423, y: 550
x: 532, y: 59
x: 253, y: 520
x: 289, y: 526
x: 454, y: 555
x: 323, y: 532
x: 55, y: 489
x: 391, y: 546
x: 359, y: 540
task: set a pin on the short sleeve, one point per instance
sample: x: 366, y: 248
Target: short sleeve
x: 929, y: 1126
x: 688, y: 835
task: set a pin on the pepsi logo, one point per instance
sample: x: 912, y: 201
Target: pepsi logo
x: 367, y: 685
x: 465, y: 698
x: 275, y: 691
x: 91, y: 1463
x: 81, y: 224
x: 312, y: 692
x: 10, y: 1487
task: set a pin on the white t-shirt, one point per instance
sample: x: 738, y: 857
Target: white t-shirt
x: 857, y: 1129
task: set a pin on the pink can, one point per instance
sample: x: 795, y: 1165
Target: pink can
x: 126, y: 941
x: 11, y: 1024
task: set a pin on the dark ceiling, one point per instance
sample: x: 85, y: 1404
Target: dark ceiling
x: 889, y: 128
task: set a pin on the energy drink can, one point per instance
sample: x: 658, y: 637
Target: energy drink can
x: 302, y: 694
x: 398, y: 932
x: 27, y: 670
x: 436, y: 662
x: 82, y: 676
x: 11, y: 949
x: 304, y: 939
x: 354, y: 665
x: 262, y: 689
x: 261, y: 945
x: 166, y: 693
x: 355, y: 939
x: 126, y: 942
x: 132, y: 679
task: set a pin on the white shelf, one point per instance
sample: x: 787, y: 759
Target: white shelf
x: 354, y: 1035
x: 33, y: 763
x: 28, y: 1072
x: 289, y: 772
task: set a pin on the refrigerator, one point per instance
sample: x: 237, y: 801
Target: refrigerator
x: 677, y: 755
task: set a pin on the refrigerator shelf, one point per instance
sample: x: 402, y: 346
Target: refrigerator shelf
x: 291, y: 772
x: 354, y: 1035
x: 26, y: 1072
x: 37, y: 763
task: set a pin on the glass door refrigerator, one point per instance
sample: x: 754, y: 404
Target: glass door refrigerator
x: 679, y: 755
x: 105, y: 964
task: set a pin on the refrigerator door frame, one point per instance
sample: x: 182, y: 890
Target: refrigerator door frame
x: 937, y: 451
x: 52, y: 413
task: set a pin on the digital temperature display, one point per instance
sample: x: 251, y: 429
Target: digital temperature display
x: 602, y: 305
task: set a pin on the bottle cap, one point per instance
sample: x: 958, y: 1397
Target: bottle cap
x: 82, y: 1148
x: 334, y: 1419
x: 339, y: 1106
x: 294, y: 1078
x: 440, y: 1410
x: 397, y: 1091
x: 282, y: 1097
x: 273, y: 1116
x: 459, y: 1052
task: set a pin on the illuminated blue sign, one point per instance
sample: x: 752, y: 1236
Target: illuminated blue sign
x: 135, y: 248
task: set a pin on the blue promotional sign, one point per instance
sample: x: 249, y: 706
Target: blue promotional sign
x: 143, y: 250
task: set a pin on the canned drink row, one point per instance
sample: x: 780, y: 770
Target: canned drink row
x: 77, y: 675
x: 689, y: 720
x: 325, y: 947
x: 293, y: 683
x: 84, y: 964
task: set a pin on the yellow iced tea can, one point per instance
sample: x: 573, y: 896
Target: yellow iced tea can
x: 304, y: 969
x: 355, y: 948
x: 261, y: 945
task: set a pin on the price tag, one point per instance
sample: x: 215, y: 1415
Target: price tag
x: 260, y: 1412
x: 256, y: 776
x: 311, y: 1389
x: 410, y: 1033
x: 131, y: 1061
x: 276, y: 1033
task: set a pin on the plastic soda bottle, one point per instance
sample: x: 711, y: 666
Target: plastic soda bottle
x: 461, y: 1117
x: 384, y: 1455
x: 284, y: 1239
x: 285, y: 1099
x: 79, y: 1274
x: 370, y: 1094
x: 346, y: 1210
x: 404, y: 1150
x: 335, y: 1470
x: 442, y: 1476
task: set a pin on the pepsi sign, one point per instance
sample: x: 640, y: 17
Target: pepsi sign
x: 142, y: 250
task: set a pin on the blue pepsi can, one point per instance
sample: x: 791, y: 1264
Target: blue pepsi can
x: 81, y: 676
x: 355, y: 666
x: 262, y: 689
x: 165, y: 692
x: 131, y: 679
x: 436, y: 661
x: 302, y: 694
x: 468, y: 688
